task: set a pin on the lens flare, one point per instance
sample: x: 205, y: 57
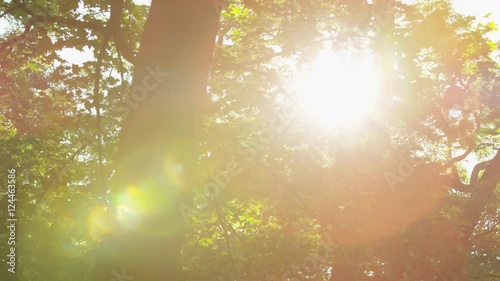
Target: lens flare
x: 339, y: 90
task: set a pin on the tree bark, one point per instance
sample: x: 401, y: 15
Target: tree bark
x: 165, y: 113
x: 481, y: 194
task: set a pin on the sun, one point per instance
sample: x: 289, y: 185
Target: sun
x: 338, y: 90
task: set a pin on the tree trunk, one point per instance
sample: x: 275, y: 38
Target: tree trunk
x: 155, y: 163
x: 481, y: 195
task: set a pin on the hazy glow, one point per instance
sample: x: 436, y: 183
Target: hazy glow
x: 477, y: 8
x: 179, y: 163
x: 124, y: 213
x: 99, y: 223
x: 339, y: 90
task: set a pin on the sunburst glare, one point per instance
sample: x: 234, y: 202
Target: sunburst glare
x: 338, y: 90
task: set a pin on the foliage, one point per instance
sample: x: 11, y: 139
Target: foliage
x: 298, y: 187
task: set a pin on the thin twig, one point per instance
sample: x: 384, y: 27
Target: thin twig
x: 226, y: 235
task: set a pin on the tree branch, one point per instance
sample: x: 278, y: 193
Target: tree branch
x: 222, y: 221
x: 15, y: 40
x: 480, y: 195
x: 57, y: 178
x: 94, y: 25
x: 476, y: 170
x: 116, y: 31
x: 453, y: 181
x: 463, y: 156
